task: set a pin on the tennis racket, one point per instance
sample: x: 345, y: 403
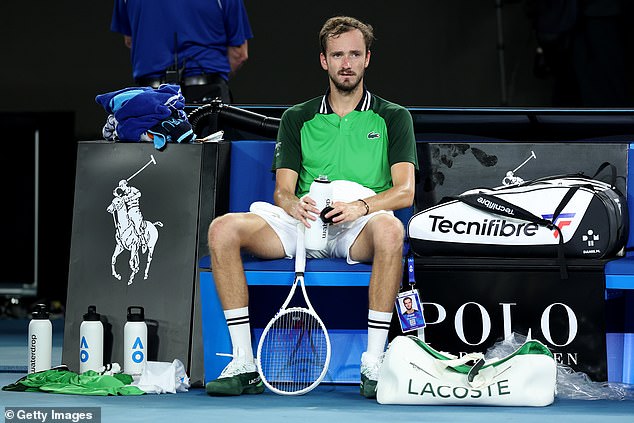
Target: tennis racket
x: 294, y: 349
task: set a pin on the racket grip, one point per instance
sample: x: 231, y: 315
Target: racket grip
x: 300, y: 250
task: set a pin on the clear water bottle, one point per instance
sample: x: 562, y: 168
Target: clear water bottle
x: 40, y: 340
x: 316, y: 237
x: 134, y: 341
x: 91, y: 341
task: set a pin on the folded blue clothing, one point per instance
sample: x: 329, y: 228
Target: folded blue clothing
x: 139, y: 109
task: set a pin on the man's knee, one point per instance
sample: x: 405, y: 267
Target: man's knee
x: 222, y: 230
x: 388, y: 232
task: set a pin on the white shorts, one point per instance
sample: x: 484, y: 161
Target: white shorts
x: 340, y: 237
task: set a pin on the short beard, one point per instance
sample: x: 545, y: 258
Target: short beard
x: 346, y: 89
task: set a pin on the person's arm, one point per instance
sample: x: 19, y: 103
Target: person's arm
x: 284, y: 197
x: 399, y: 196
x: 237, y: 56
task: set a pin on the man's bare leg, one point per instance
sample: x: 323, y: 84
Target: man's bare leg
x: 381, y: 241
x: 229, y: 235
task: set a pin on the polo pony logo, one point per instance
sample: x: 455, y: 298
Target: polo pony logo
x: 132, y: 232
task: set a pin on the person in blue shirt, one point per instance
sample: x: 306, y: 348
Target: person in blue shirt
x: 197, y: 44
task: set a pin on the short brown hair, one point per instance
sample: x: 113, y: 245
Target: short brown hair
x: 340, y: 25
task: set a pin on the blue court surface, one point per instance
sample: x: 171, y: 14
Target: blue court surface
x: 327, y: 403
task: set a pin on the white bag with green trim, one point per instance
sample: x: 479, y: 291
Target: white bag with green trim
x: 414, y: 373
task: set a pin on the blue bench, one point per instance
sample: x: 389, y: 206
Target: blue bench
x: 619, y: 282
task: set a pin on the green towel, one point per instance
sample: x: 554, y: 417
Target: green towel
x: 62, y: 381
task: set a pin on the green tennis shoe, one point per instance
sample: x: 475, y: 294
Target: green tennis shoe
x: 367, y: 387
x: 239, y: 377
x: 369, y: 374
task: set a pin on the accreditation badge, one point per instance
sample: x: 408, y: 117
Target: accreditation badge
x: 410, y: 310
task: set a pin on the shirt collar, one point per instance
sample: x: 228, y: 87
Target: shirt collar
x: 362, y: 106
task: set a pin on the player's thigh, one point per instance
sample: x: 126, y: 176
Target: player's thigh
x: 263, y: 241
x: 247, y: 231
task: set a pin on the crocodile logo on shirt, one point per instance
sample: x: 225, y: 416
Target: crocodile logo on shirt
x: 373, y: 135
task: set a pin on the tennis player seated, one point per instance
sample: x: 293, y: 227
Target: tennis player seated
x: 366, y: 146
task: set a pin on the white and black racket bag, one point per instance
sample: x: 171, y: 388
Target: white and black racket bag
x: 566, y: 216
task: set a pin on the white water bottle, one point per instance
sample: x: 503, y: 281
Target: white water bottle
x: 40, y: 340
x: 134, y: 341
x: 91, y: 341
x: 316, y: 237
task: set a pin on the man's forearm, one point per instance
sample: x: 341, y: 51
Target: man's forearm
x: 394, y: 198
x: 286, y: 200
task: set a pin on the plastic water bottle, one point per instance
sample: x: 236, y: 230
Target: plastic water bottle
x: 40, y: 340
x: 91, y: 341
x: 134, y: 341
x: 316, y: 237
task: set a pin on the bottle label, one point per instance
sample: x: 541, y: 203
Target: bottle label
x: 316, y: 237
x: 83, y: 352
x: 137, y: 354
x: 33, y: 351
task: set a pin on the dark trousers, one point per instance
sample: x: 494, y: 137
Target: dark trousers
x: 197, y: 89
x: 200, y: 94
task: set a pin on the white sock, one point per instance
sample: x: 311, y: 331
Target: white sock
x: 378, y: 327
x: 240, y: 331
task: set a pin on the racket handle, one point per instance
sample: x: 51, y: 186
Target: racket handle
x: 300, y: 250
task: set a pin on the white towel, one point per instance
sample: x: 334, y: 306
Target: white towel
x: 161, y: 377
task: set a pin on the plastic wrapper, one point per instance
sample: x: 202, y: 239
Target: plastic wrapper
x: 570, y: 383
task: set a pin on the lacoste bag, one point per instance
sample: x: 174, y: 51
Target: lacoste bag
x: 571, y: 216
x: 413, y: 373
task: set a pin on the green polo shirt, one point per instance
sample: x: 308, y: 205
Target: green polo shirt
x: 360, y: 147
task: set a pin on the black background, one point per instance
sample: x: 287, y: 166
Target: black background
x: 59, y: 55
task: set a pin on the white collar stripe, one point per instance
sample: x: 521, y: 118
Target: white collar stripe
x: 323, y: 108
x: 366, y: 102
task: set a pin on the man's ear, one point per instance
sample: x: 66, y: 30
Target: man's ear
x: 367, y: 58
x: 322, y: 60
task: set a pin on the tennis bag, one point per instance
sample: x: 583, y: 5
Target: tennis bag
x: 570, y: 215
x: 413, y: 373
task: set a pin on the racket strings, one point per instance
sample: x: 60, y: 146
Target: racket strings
x: 294, y: 351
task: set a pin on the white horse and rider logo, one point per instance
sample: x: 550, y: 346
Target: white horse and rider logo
x: 132, y: 232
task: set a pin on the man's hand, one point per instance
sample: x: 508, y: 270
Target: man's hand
x: 237, y: 56
x: 305, y: 211
x: 346, y: 212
